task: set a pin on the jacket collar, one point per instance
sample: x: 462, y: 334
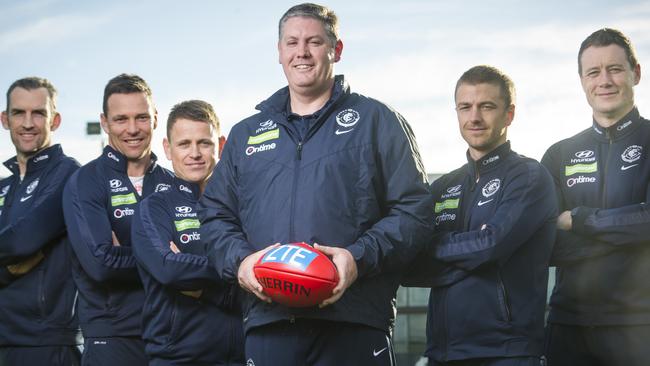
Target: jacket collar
x: 277, y: 103
x: 118, y: 161
x: 623, y: 127
x: 191, y: 190
x: 490, y: 161
x: 36, y: 162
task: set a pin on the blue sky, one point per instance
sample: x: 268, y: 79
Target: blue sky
x: 406, y: 54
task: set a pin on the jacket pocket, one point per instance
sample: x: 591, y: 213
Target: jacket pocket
x: 502, y: 296
x: 40, y: 293
x: 173, y: 322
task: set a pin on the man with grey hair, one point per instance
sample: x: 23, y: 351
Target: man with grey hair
x: 600, y: 308
x: 38, y: 323
x: 322, y: 165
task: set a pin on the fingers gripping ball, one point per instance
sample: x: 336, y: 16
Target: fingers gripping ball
x: 296, y: 275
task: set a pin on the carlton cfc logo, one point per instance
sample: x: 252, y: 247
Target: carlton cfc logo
x: 491, y: 187
x: 32, y: 186
x: 632, y: 153
x: 347, y: 118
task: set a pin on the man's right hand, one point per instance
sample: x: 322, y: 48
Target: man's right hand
x: 116, y: 241
x: 27, y: 265
x: 246, y: 275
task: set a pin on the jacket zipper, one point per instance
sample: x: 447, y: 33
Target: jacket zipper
x: 41, y: 291
x: 504, y: 302
x: 604, y: 176
x: 296, y: 176
x: 445, y: 331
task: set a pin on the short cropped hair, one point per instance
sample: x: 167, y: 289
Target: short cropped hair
x: 485, y: 74
x: 605, y: 37
x: 319, y: 12
x: 32, y: 83
x: 125, y: 84
x: 195, y: 110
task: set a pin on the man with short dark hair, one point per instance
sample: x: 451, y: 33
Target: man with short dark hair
x: 38, y: 323
x: 99, y: 202
x: 190, y: 317
x: 318, y: 164
x: 600, y: 308
x: 495, y: 226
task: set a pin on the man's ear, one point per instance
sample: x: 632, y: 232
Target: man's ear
x: 103, y: 121
x: 167, y: 148
x: 222, y: 143
x: 56, y: 121
x: 338, y: 50
x: 5, y: 120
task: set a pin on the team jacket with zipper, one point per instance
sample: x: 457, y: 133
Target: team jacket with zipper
x: 178, y: 328
x: 495, y: 228
x: 603, y: 176
x: 38, y: 308
x: 355, y: 181
x: 99, y: 199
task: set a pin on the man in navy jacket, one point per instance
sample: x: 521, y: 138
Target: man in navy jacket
x: 495, y: 228
x: 190, y: 317
x: 100, y: 200
x: 38, y: 324
x: 318, y: 164
x: 600, y: 307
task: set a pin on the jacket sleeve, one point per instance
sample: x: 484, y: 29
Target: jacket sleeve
x: 151, y: 231
x: 42, y: 223
x: 5, y: 277
x: 396, y: 239
x: 224, y: 296
x: 89, y: 231
x: 570, y: 246
x: 428, y: 271
x: 220, y: 224
x: 526, y: 205
x: 627, y: 225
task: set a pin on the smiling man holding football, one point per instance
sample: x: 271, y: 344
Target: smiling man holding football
x: 319, y: 164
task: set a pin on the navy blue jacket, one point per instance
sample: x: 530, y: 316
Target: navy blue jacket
x: 179, y: 329
x: 36, y: 309
x: 99, y: 198
x: 603, y: 262
x: 354, y: 180
x: 495, y: 228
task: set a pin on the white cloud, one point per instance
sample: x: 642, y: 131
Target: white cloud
x: 50, y: 29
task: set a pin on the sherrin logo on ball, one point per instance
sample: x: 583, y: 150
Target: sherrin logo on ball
x: 296, y: 275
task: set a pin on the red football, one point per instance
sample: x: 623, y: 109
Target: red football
x: 296, y: 275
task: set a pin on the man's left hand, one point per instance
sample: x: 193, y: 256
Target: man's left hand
x: 345, y: 266
x: 27, y: 265
x: 564, y: 221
